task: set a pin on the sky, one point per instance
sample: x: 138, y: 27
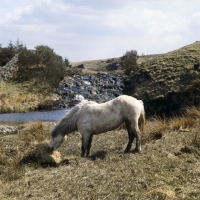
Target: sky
x: 81, y: 30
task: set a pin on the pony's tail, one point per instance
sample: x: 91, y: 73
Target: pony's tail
x: 141, y: 121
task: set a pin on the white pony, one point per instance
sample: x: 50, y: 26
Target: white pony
x: 91, y: 118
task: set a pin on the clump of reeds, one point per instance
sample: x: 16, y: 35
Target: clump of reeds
x: 187, y: 120
x: 193, y: 111
x: 155, y: 128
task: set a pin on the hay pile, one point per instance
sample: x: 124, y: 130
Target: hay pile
x: 42, y: 154
x: 35, y: 144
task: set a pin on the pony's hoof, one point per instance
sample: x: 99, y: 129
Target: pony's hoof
x: 136, y: 150
x: 127, y: 151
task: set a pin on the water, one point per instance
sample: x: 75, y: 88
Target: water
x: 16, y: 118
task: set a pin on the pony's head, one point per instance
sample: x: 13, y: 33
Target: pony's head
x: 56, y: 142
x: 57, y: 138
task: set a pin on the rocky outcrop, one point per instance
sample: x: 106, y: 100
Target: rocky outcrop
x: 7, y: 69
x: 95, y: 87
x: 4, y: 129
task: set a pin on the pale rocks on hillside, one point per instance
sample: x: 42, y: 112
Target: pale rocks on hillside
x: 4, y: 129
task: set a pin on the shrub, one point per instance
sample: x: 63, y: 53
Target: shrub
x: 155, y: 128
x: 6, y: 55
x: 128, y: 62
x: 42, y: 65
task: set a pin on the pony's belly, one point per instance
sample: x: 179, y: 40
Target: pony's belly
x: 104, y: 127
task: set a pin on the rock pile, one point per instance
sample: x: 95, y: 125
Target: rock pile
x: 95, y: 87
x: 4, y: 129
x: 7, y: 69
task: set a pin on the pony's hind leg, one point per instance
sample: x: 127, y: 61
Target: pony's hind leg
x: 131, y: 136
x: 138, y: 140
x: 86, y: 144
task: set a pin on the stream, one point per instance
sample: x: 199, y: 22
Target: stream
x: 17, y: 118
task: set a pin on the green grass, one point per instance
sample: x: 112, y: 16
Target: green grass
x: 175, y: 75
x: 167, y: 168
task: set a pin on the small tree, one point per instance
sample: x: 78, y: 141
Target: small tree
x: 10, y: 45
x: 67, y: 63
x: 128, y: 62
x: 42, y: 65
x: 19, y: 45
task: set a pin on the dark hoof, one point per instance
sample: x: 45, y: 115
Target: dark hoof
x: 136, y: 151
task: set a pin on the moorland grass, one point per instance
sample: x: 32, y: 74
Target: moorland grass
x: 21, y: 97
x: 167, y: 168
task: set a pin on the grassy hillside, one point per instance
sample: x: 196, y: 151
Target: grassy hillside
x: 33, y: 79
x: 110, y: 65
x: 169, y: 81
x: 167, y: 168
x: 23, y: 97
x: 98, y: 66
x: 166, y: 83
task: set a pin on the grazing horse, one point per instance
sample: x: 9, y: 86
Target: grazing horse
x: 91, y: 118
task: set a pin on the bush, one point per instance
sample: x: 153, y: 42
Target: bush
x: 6, y: 55
x: 42, y: 65
x: 128, y: 62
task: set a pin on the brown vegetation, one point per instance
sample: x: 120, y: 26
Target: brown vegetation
x: 6, y: 55
x: 167, y: 167
x: 22, y: 97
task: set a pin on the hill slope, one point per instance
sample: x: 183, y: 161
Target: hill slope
x: 169, y: 81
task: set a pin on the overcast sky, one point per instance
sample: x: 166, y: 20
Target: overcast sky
x: 98, y: 29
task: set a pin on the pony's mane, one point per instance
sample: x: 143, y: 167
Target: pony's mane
x: 68, y: 123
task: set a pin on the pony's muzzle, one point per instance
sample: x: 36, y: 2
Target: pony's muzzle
x: 52, y: 148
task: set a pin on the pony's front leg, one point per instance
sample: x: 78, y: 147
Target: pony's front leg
x: 86, y: 144
x: 89, y: 146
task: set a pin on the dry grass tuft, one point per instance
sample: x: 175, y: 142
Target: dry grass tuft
x: 19, y: 103
x: 193, y: 111
x: 182, y: 123
x: 33, y: 132
x: 155, y: 128
x: 187, y: 120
